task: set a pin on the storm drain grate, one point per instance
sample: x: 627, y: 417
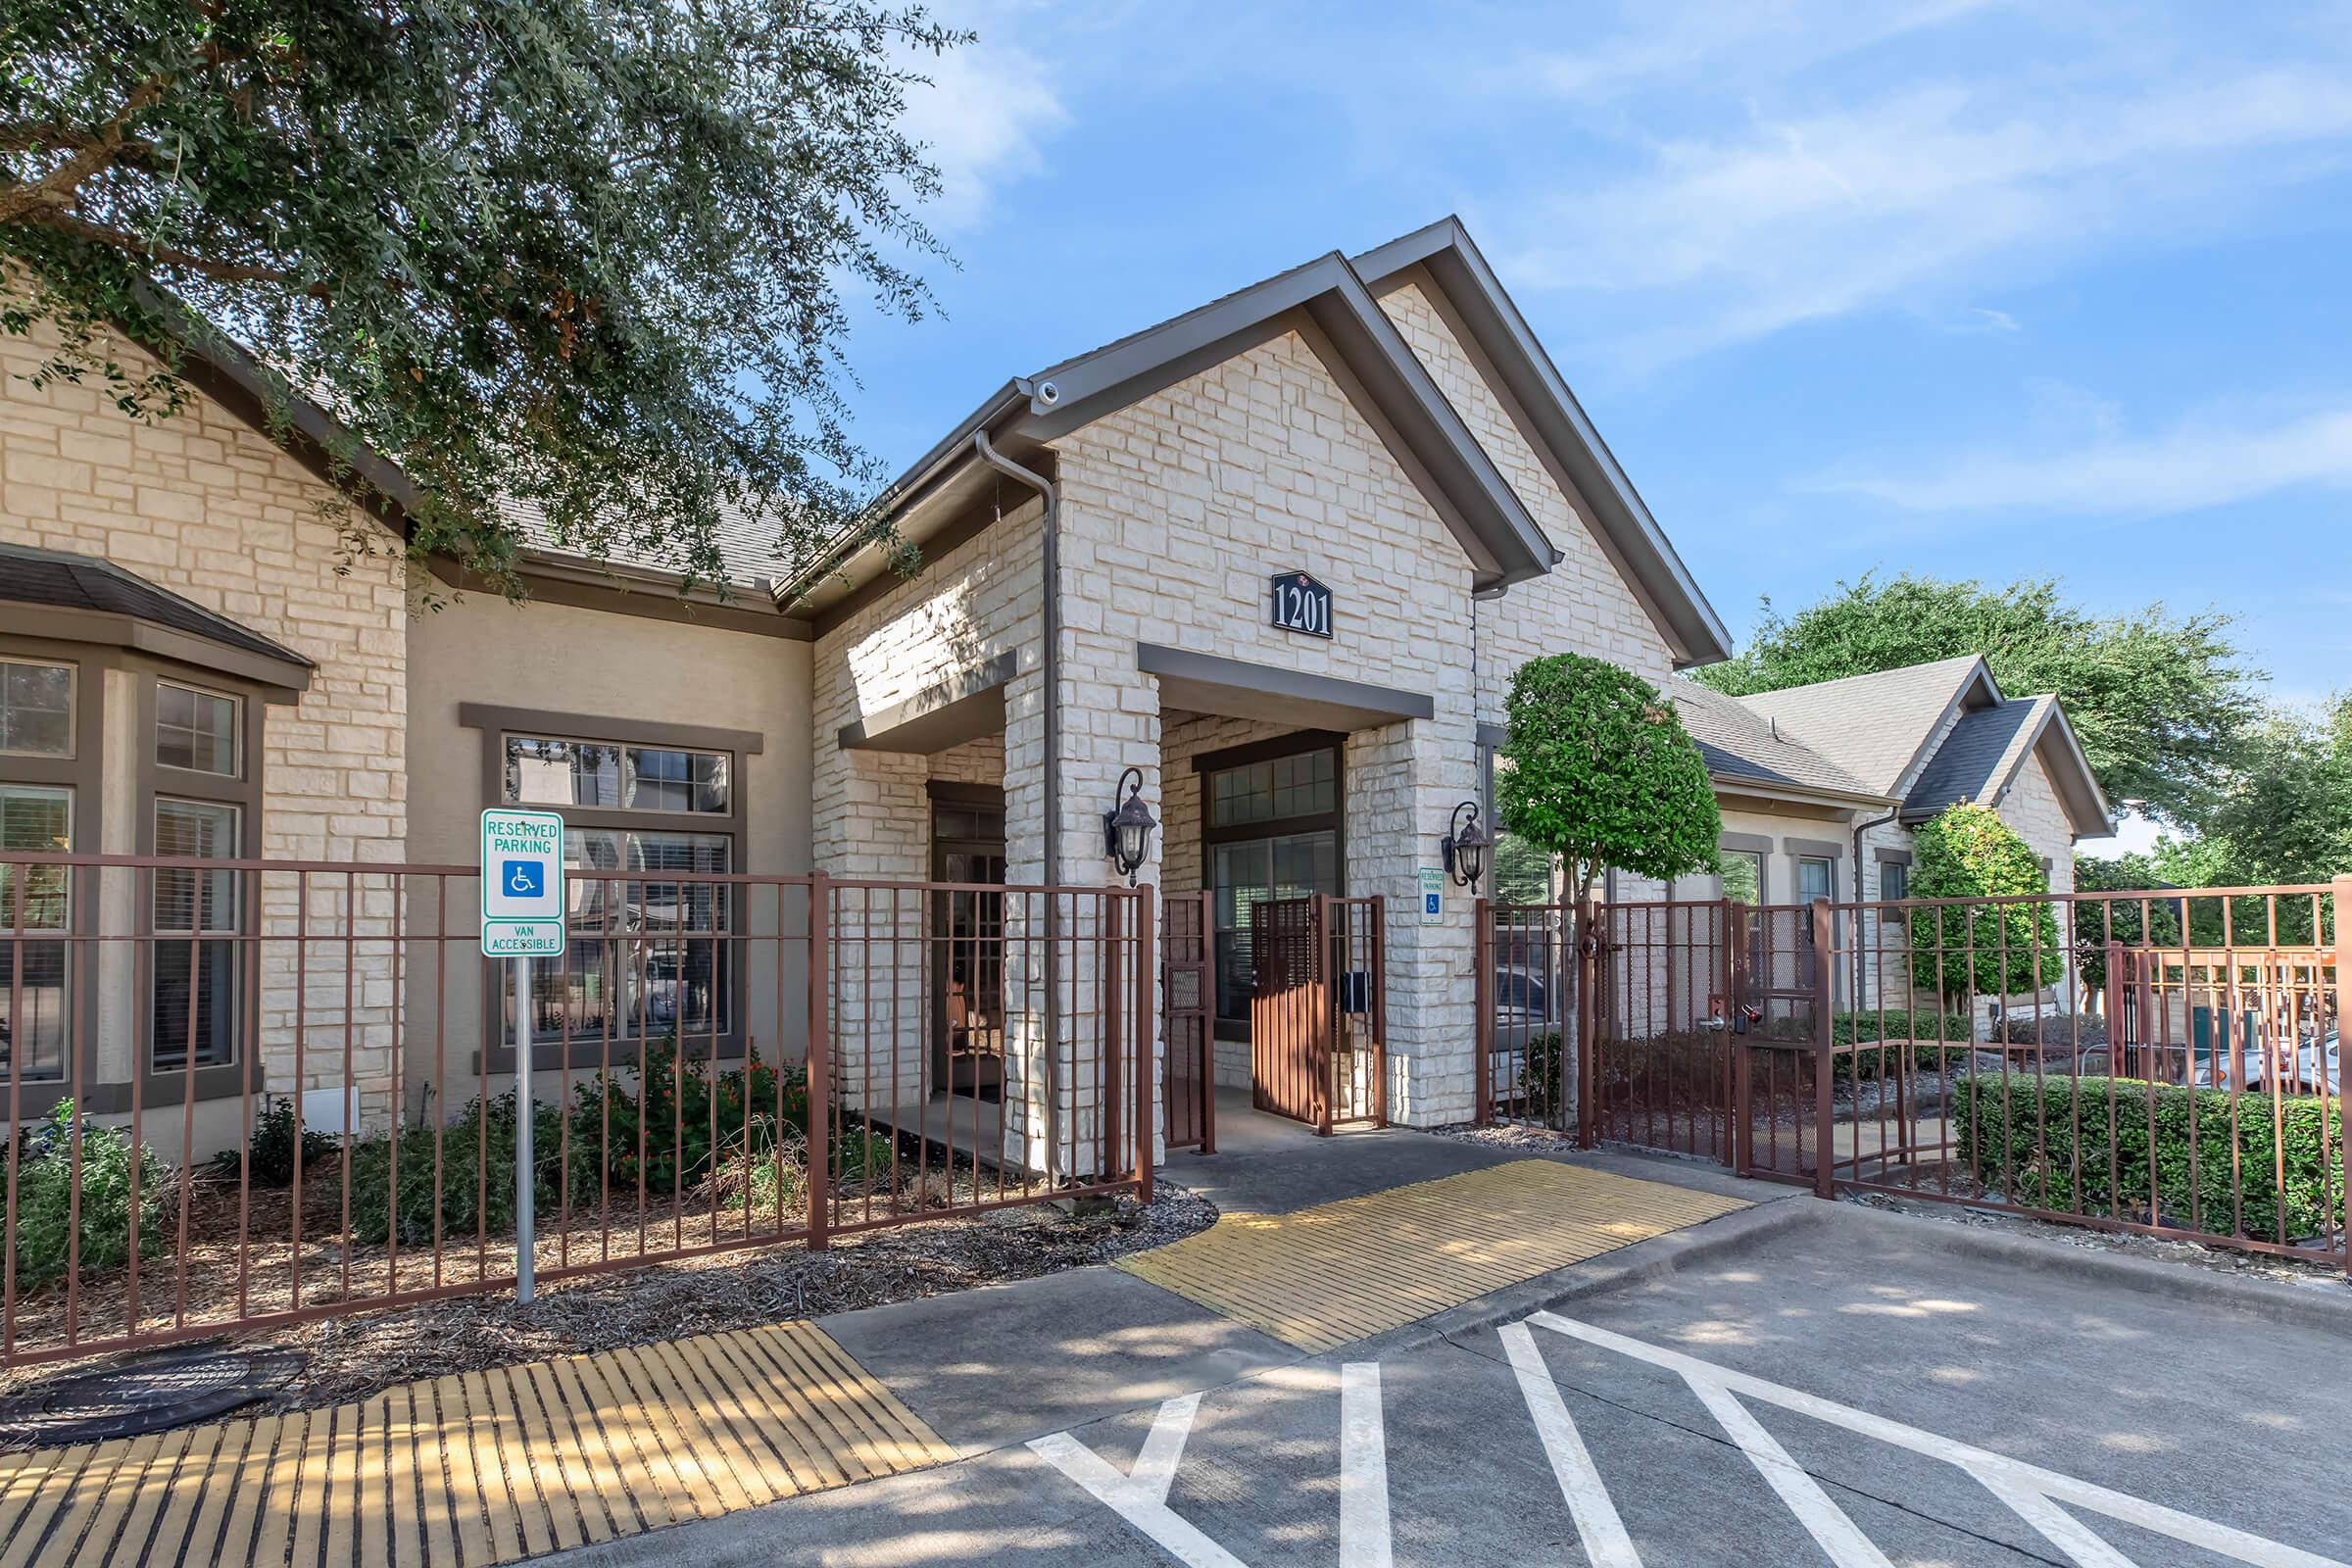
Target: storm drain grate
x: 152, y: 1392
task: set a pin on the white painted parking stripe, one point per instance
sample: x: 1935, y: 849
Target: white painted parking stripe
x: 1363, y: 1469
x: 1141, y: 1496
x: 1824, y: 1520
x: 1996, y: 1471
x: 1606, y: 1544
x: 2059, y: 1528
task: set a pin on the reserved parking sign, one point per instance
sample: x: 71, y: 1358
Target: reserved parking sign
x: 523, y: 884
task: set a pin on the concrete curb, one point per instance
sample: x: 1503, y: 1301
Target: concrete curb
x: 2325, y: 1307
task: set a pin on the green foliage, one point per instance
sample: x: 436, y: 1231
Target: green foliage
x: 270, y: 1161
x: 2160, y: 702
x: 1599, y: 771
x: 591, y: 256
x: 476, y: 1175
x: 45, y: 1185
x: 1986, y: 949
x: 2286, y: 817
x: 673, y: 1110
x: 2083, y: 1147
x: 1925, y: 1026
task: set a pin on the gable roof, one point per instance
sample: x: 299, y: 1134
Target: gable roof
x: 1742, y: 748
x: 1332, y: 301
x: 1879, y: 726
x: 1933, y: 735
x: 1981, y: 760
x: 1559, y: 430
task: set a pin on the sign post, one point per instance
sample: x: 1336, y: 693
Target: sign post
x: 522, y: 919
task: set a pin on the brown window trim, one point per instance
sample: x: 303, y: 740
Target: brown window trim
x: 497, y: 722
x: 158, y: 782
x: 84, y: 773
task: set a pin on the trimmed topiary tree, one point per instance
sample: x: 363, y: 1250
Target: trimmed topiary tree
x: 1599, y: 771
x: 1989, y: 949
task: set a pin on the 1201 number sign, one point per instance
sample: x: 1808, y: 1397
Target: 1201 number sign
x: 1301, y: 604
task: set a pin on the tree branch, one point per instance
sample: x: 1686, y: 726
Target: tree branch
x: 54, y: 191
x: 165, y: 254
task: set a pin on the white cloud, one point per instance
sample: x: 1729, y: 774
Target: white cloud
x: 1910, y: 194
x: 985, y: 117
x: 2190, y: 467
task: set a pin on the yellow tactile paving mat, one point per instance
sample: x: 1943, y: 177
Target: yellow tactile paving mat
x: 1324, y: 1276
x: 483, y: 1468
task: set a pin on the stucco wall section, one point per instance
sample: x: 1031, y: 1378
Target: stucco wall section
x: 1583, y: 605
x: 203, y: 505
x: 621, y: 671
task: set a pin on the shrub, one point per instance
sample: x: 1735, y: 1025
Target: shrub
x: 45, y: 1182
x: 2064, y: 1145
x: 476, y: 1175
x: 1924, y: 1025
x: 1599, y: 771
x: 2087, y: 1031
x: 673, y: 1108
x: 1991, y: 949
x: 269, y: 1153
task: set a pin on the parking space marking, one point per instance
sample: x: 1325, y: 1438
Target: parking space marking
x: 2044, y: 1499
x: 2013, y: 1481
x: 1141, y: 1496
x: 1598, y: 1525
x: 1363, y: 1469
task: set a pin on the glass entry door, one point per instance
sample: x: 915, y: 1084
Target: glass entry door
x: 967, y: 963
x: 1247, y: 873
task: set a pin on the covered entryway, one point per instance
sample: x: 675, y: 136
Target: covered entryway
x: 1317, y: 1011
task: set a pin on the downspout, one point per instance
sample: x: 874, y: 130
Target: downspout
x: 1861, y: 828
x: 1049, y: 669
x: 1051, y: 663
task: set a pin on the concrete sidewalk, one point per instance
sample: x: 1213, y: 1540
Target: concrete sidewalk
x: 1323, y: 1241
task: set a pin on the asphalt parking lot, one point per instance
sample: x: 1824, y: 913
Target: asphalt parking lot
x: 1851, y: 1392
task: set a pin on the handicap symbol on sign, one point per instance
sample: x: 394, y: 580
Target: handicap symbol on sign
x: 524, y: 879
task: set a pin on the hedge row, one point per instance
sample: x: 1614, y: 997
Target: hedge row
x: 2024, y: 1140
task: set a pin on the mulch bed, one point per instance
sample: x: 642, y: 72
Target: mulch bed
x: 350, y: 1356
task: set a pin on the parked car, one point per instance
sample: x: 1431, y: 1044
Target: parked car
x: 2317, y: 1068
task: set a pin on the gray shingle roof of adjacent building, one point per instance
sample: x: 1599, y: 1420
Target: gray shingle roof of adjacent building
x: 1979, y: 756
x: 1739, y: 743
x: 57, y: 581
x: 1875, y: 725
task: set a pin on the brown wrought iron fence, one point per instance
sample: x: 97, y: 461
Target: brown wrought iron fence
x: 245, y: 1092
x: 2165, y: 1062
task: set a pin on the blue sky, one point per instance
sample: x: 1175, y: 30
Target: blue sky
x: 1961, y: 288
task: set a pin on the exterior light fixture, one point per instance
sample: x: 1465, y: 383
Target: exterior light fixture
x: 1464, y: 847
x: 1127, y: 831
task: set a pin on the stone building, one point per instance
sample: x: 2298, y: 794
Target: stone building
x: 1274, y: 561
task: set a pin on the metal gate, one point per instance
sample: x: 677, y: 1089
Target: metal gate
x: 1318, y: 1010
x: 1663, y: 987
x: 1191, y: 1093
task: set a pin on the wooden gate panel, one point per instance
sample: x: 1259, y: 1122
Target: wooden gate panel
x: 1187, y: 1024
x: 1287, y: 1003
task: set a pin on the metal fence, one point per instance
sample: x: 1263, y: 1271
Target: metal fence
x: 2165, y: 1061
x: 722, y: 1061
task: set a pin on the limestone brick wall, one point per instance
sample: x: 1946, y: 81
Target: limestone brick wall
x: 1582, y: 606
x: 1176, y: 512
x: 203, y: 505
x: 872, y: 817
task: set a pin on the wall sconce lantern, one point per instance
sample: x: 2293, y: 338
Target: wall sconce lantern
x: 1127, y: 831
x: 1464, y: 847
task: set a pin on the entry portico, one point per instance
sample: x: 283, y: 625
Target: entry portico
x: 1098, y: 547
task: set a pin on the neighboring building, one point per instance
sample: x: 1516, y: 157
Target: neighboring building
x: 1384, y: 426
x: 1822, y: 785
